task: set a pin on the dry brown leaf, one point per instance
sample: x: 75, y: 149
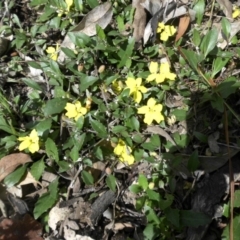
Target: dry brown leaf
x: 10, y: 162
x: 226, y: 6
x: 183, y: 25
x: 24, y: 228
x: 140, y: 19
x: 161, y: 132
x: 29, y: 179
x: 100, y: 15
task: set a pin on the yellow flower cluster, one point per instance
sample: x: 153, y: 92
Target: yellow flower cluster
x: 68, y: 3
x: 30, y: 142
x: 165, y: 31
x: 124, y: 152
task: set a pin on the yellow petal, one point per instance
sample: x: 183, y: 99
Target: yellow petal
x: 119, y: 149
x: 158, y: 117
x: 164, y: 36
x: 143, y: 110
x: 148, y: 118
x: 236, y: 13
x: 131, y: 84
x: 170, y: 30
x: 164, y: 67
x: 138, y: 82
x: 160, y: 78
x: 151, y: 77
x: 158, y: 108
x: 143, y: 89
x: 171, y: 76
x: 25, y: 144
x: 137, y: 96
x: 153, y: 67
x: 50, y: 50
x: 34, y: 147
x: 151, y: 102
x: 161, y: 27
x: 71, y: 110
x: 34, y: 136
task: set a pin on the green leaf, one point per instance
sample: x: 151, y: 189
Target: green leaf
x: 151, y: 215
x: 200, y: 9
x: 236, y: 229
x: 218, y: 65
x: 99, y: 128
x: 87, y: 178
x: 133, y: 123
x: 51, y: 149
x: 196, y: 37
x: 69, y: 52
x: 135, y: 188
x: 226, y: 28
x: 209, y: 42
x: 167, y: 202
x: 47, y: 200
x: 143, y: 182
x: 120, y: 23
x: 173, y: 216
x: 125, y: 55
x: 92, y: 3
x: 100, y: 32
x: 228, y: 87
x: 153, y: 143
x: 54, y: 106
x: 193, y: 58
x: 111, y: 182
x: 6, y: 127
x: 86, y: 82
x: 190, y: 218
x: 80, y: 122
x: 47, y: 14
x: 118, y: 129
x: 34, y: 65
x: 37, y: 169
x: 74, y: 153
x: 201, y: 137
x: 180, y: 114
x: 44, y: 126
x: 150, y: 231
x: 15, y: 176
x: 236, y: 199
x: 152, y: 195
x: 193, y: 161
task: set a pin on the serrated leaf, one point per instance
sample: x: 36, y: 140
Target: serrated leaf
x: 153, y: 143
x: 209, y: 42
x: 99, y: 128
x: 111, y: 182
x: 37, y: 169
x: 87, y: 177
x: 47, y: 200
x: 173, y: 216
x: 43, y: 126
x: 54, y: 106
x: 15, y: 176
x: 51, y: 149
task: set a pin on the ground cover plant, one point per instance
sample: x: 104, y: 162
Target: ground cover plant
x: 112, y: 112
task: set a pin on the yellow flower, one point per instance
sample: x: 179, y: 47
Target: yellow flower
x: 164, y: 72
x: 152, y: 112
x: 236, y: 12
x: 53, y: 52
x: 135, y: 88
x: 117, y: 86
x: 165, y: 31
x: 69, y: 3
x: 75, y: 110
x: 30, y: 142
x: 124, y: 152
